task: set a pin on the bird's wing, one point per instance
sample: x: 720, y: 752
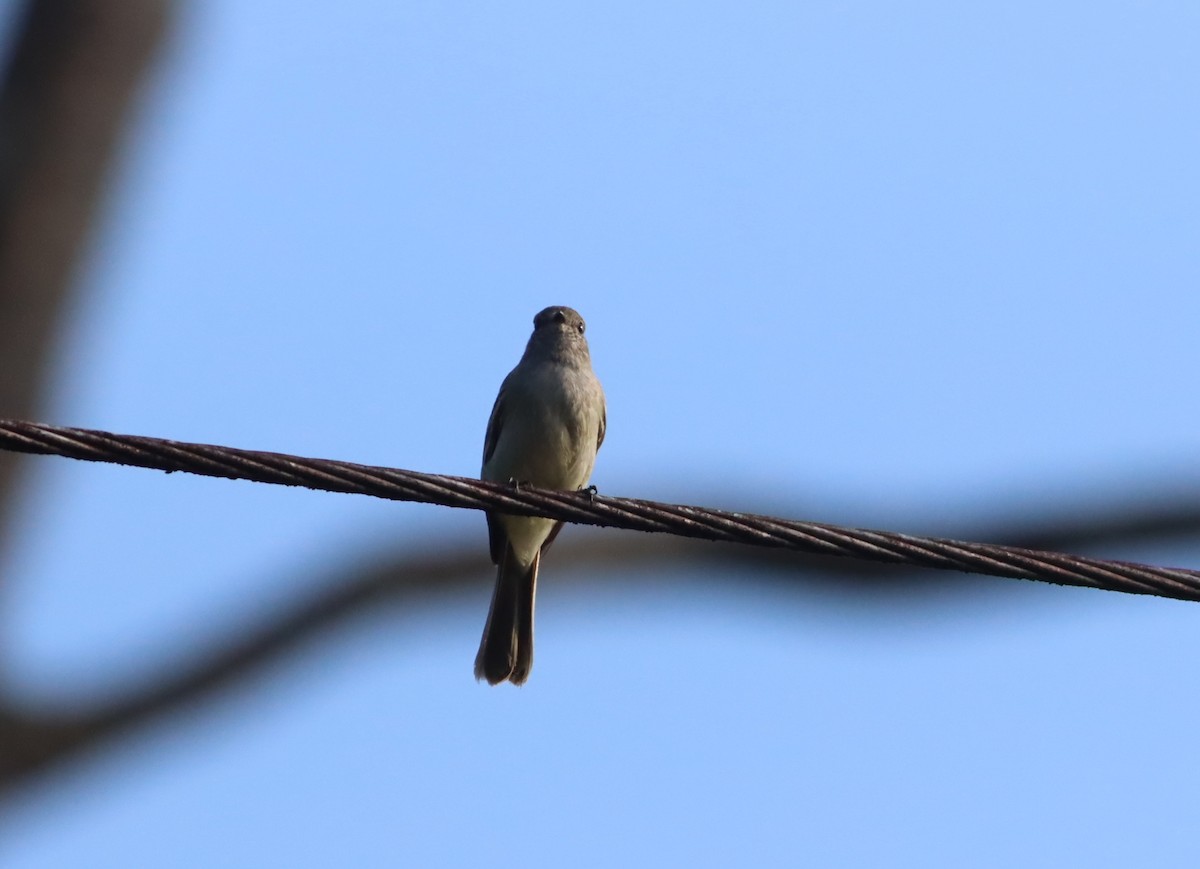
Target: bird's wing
x: 550, y: 537
x: 497, y: 539
x: 495, y: 423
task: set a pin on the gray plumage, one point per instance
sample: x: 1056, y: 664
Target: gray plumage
x: 545, y: 429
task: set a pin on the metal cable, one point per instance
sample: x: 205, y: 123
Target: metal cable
x: 588, y: 509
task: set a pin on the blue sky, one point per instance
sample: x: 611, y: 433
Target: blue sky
x: 893, y: 265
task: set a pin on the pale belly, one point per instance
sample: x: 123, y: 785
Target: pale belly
x: 550, y: 442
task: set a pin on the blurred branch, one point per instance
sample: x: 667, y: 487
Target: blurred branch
x: 32, y: 745
x: 66, y: 90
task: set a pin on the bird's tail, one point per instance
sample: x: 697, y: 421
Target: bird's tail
x: 506, y: 650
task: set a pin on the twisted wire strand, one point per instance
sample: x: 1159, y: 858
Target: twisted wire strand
x: 591, y: 509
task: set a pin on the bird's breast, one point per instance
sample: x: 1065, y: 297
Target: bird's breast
x: 550, y: 429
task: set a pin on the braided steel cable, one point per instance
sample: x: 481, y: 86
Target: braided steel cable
x: 590, y: 509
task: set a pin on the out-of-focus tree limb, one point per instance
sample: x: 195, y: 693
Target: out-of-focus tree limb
x: 66, y: 92
x: 32, y: 744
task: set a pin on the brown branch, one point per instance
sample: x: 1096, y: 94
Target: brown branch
x: 32, y: 744
x: 65, y: 94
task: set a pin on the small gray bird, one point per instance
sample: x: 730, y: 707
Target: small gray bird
x: 546, y: 427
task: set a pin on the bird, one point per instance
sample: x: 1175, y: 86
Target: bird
x: 545, y: 430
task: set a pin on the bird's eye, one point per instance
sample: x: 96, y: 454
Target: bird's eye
x: 580, y: 328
